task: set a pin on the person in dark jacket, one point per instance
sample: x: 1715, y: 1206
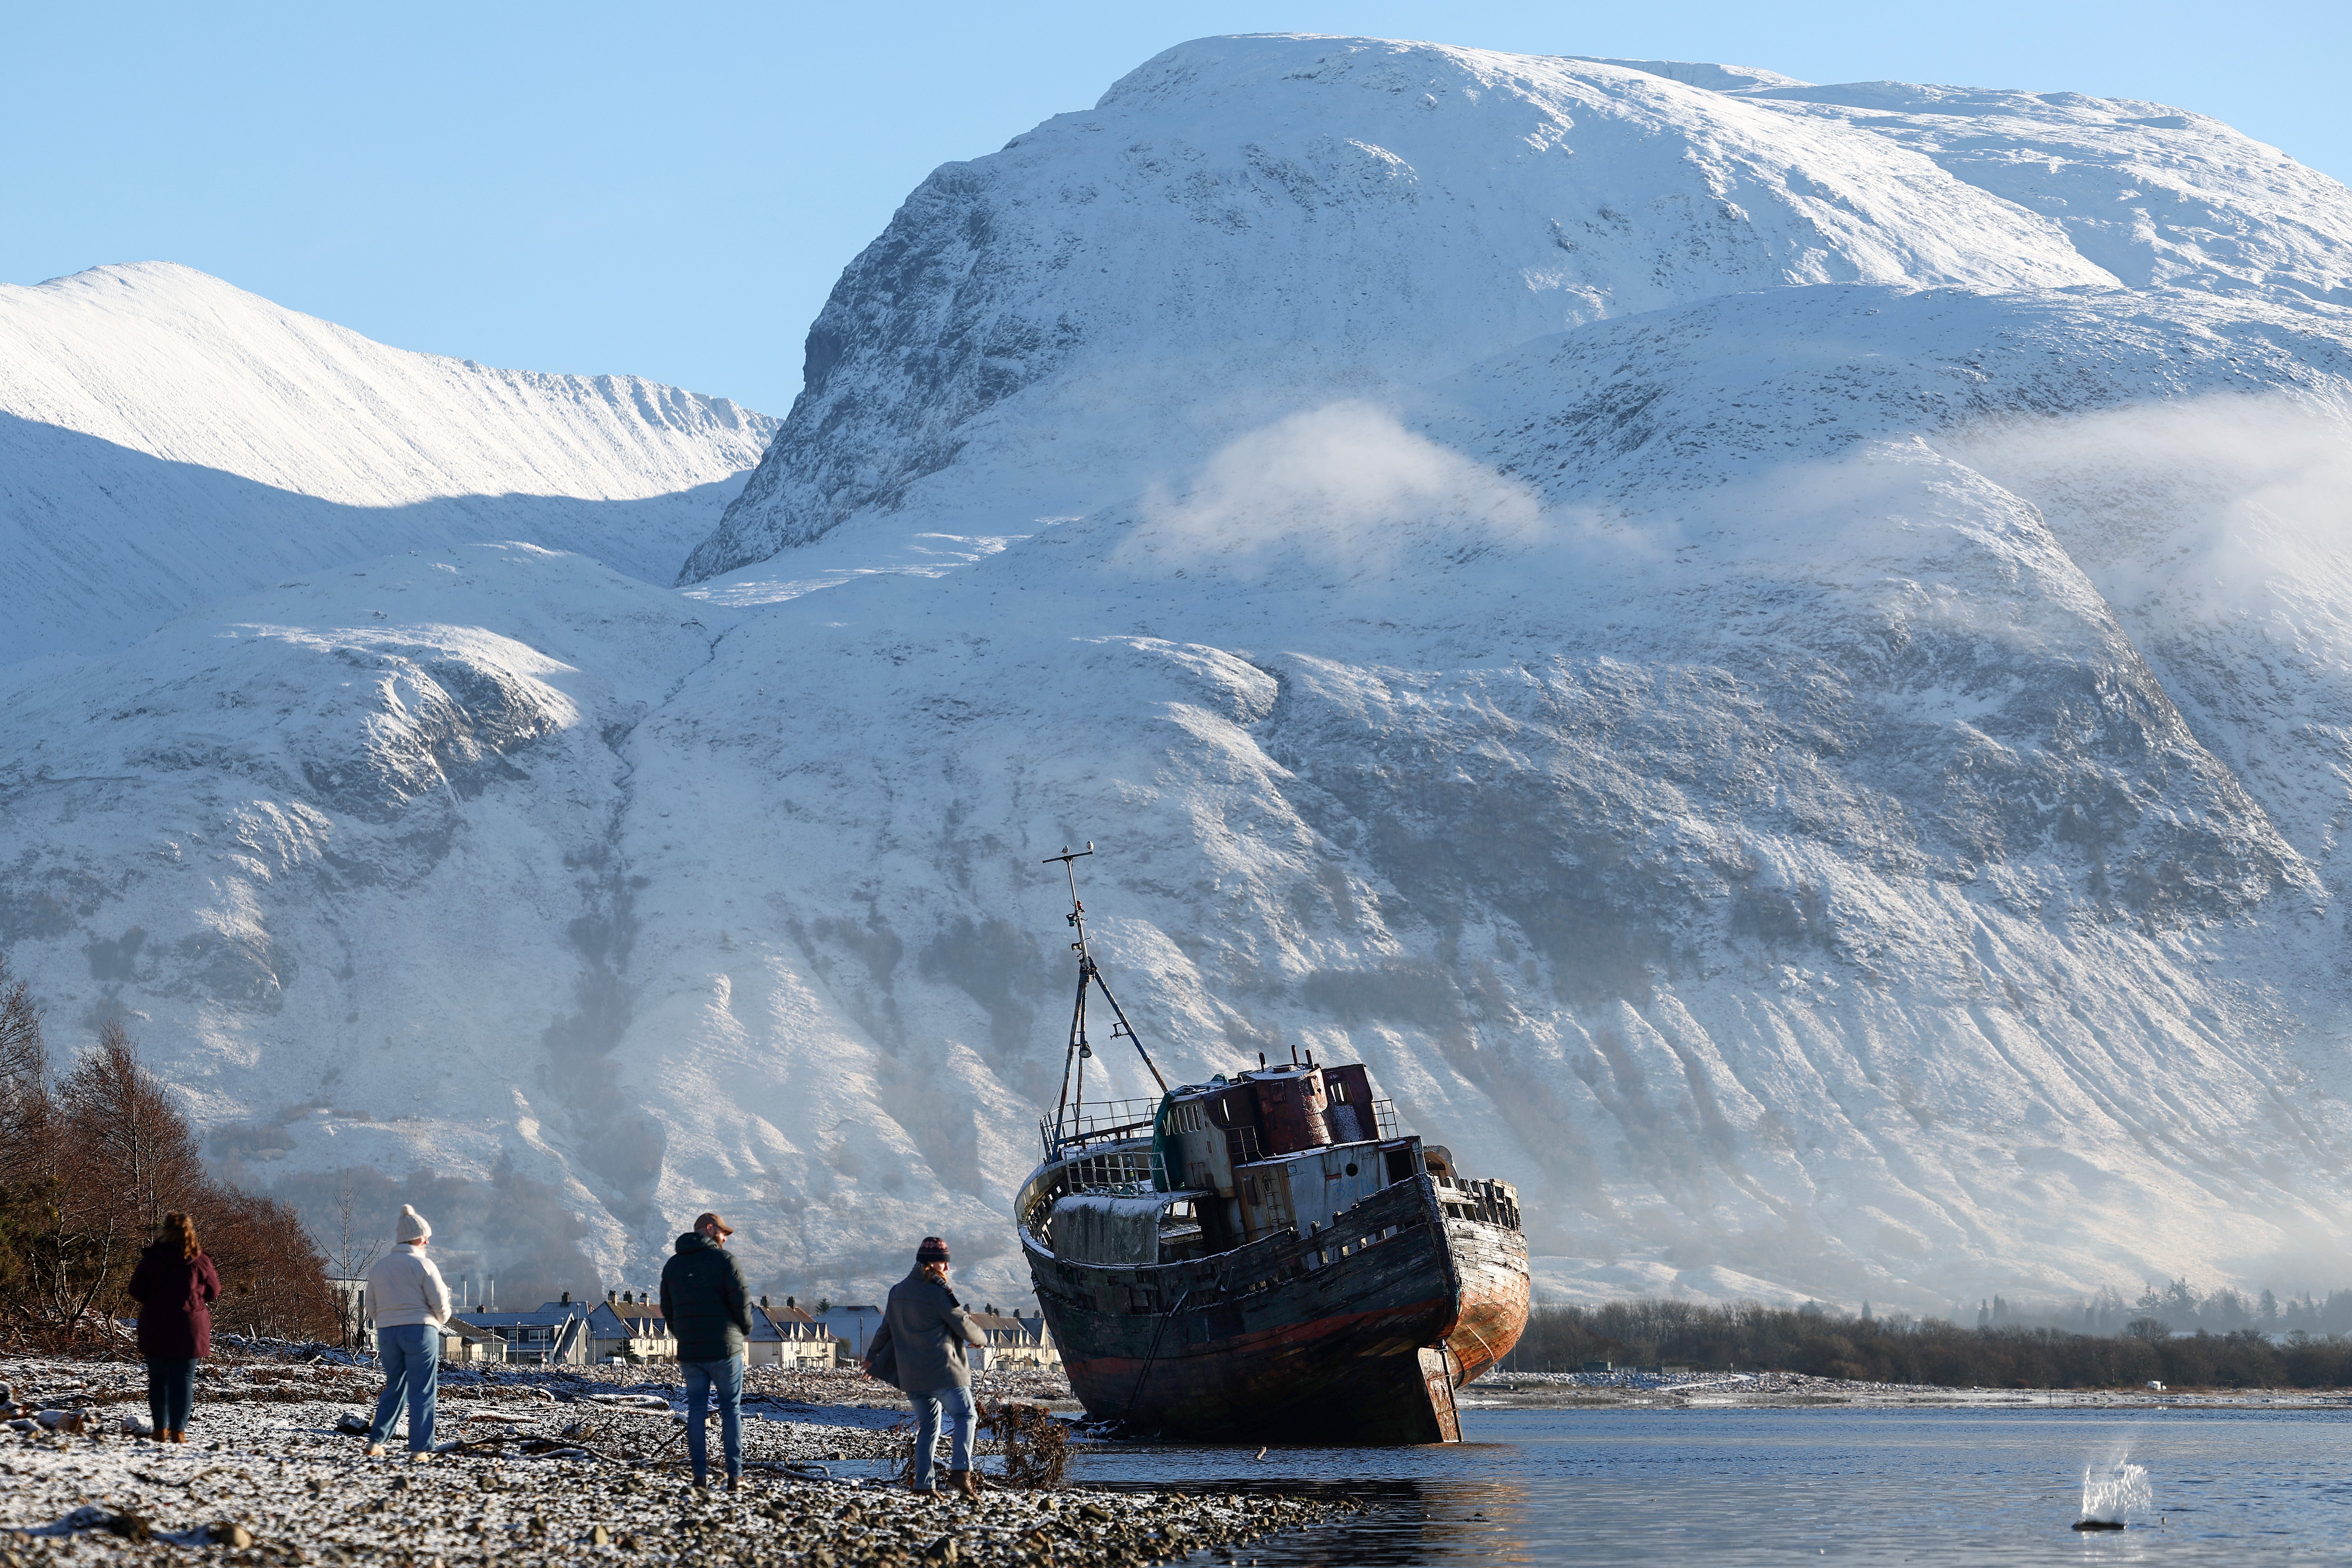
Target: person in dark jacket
x: 175, y: 1286
x: 929, y: 1329
x: 709, y: 1314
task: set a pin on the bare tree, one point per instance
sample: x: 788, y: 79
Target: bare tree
x: 126, y: 1135
x: 125, y: 1156
x: 351, y: 1245
x: 273, y: 1274
x: 27, y: 1114
x: 28, y: 1148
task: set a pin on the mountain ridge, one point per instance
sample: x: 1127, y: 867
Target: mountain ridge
x: 1831, y: 785
x: 1733, y: 206
x: 278, y: 443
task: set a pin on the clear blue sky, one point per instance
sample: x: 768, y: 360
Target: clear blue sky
x: 671, y: 190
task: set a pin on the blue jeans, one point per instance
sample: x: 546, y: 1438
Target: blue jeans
x: 171, y: 1392
x: 957, y: 1403
x: 724, y: 1378
x: 411, y: 1354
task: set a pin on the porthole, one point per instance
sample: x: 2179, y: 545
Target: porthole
x: 1351, y: 1167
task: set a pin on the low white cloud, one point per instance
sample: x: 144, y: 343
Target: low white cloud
x: 2213, y: 506
x: 1346, y: 484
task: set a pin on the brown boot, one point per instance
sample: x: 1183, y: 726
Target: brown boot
x: 179, y: 1437
x: 963, y: 1483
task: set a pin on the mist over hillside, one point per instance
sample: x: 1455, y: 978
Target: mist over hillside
x: 1771, y: 657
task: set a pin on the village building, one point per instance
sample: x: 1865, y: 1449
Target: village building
x: 609, y: 1337
x: 1014, y: 1341
x: 786, y: 1336
x: 648, y: 1337
x: 628, y: 1325
x: 854, y: 1327
x: 554, y: 1335
x: 462, y: 1341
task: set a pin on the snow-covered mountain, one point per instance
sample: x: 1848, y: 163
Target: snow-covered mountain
x: 1774, y: 658
x: 166, y: 439
x: 1272, y: 222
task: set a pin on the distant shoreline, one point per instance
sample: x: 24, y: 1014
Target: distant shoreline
x: 1548, y: 1391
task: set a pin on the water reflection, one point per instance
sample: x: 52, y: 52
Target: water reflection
x: 1732, y: 1487
x: 1403, y: 1522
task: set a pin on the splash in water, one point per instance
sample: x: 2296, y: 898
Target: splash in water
x: 2111, y: 1499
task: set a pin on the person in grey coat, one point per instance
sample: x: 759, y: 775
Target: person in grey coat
x: 929, y: 1329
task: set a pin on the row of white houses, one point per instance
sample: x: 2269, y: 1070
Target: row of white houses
x: 628, y: 1326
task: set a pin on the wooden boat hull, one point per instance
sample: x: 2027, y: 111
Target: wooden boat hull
x: 1358, y: 1335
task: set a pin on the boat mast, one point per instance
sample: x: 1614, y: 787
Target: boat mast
x: 1074, y: 1062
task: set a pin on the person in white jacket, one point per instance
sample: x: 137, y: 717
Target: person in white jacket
x: 410, y: 1302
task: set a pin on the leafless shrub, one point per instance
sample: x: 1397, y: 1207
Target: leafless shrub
x: 1036, y: 1445
x: 900, y: 1455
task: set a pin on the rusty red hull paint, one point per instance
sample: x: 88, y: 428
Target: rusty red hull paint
x: 1497, y: 1296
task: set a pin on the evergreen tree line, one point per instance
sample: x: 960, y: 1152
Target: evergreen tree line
x: 1811, y: 1340
x: 92, y: 1159
x: 2180, y: 1306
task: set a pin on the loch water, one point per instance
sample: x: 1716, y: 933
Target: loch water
x: 1731, y: 1487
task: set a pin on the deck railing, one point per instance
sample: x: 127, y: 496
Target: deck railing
x: 1120, y: 1121
x: 1097, y: 1121
x: 1117, y: 1172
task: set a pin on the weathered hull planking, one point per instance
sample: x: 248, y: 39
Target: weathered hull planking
x: 1356, y: 1335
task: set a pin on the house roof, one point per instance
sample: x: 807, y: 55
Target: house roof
x: 604, y: 1323
x: 786, y: 1323
x: 549, y: 1315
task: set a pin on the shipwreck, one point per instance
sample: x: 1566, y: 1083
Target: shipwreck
x: 1266, y: 1256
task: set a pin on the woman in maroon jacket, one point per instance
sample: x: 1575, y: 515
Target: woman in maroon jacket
x: 175, y: 1286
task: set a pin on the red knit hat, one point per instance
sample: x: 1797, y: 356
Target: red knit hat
x: 933, y: 1250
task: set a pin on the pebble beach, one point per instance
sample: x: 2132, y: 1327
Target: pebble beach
x: 539, y: 1466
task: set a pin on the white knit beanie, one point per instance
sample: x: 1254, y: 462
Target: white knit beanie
x: 412, y: 1225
